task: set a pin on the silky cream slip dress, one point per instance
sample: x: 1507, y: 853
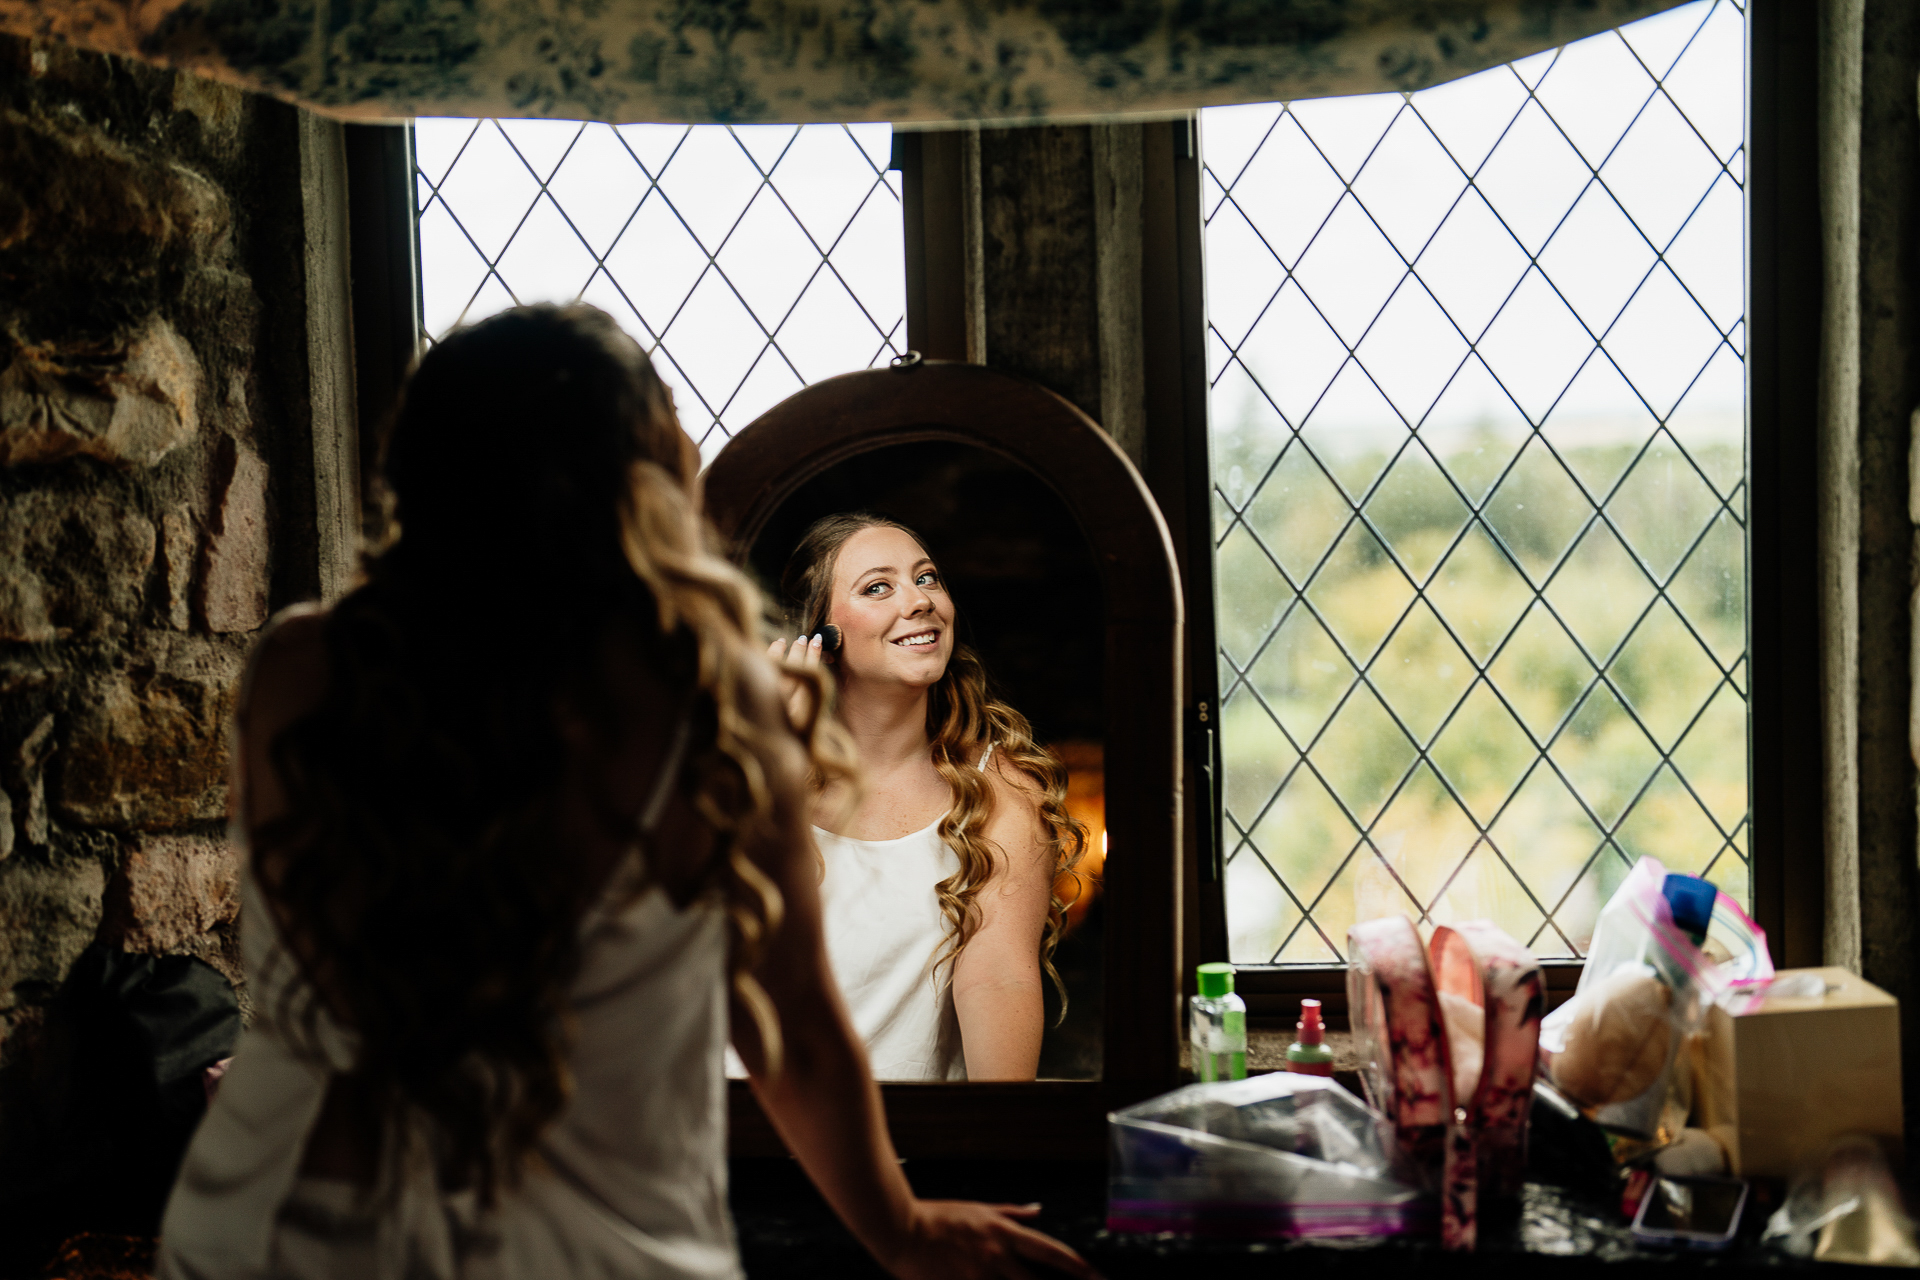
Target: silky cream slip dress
x: 629, y: 1179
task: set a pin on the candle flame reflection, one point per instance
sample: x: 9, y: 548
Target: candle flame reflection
x: 1086, y: 804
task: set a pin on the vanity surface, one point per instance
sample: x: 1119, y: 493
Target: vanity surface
x: 787, y: 1230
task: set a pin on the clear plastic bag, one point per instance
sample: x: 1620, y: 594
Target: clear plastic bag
x: 1279, y: 1155
x: 1845, y: 1207
x: 1645, y: 989
x: 1738, y: 948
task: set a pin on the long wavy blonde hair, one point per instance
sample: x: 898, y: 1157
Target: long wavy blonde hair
x: 548, y: 508
x: 964, y: 719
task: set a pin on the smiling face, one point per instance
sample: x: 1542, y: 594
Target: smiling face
x: 892, y: 608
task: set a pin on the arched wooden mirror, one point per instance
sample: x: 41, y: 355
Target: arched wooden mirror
x: 1064, y: 579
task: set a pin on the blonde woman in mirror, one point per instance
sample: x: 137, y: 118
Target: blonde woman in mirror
x: 938, y: 877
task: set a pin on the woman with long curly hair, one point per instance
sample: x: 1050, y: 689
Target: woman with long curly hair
x: 525, y: 821
x: 938, y: 879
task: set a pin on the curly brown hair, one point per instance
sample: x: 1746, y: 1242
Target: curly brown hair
x: 548, y: 508
x: 964, y: 718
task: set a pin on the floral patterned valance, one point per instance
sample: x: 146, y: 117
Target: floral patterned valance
x: 742, y: 61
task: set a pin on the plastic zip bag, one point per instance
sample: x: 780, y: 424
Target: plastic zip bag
x: 1644, y: 990
x: 1274, y: 1156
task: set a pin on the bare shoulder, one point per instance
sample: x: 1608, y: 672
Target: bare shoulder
x: 294, y: 627
x: 1016, y: 820
x: 285, y: 680
x: 1013, y: 785
x: 287, y: 674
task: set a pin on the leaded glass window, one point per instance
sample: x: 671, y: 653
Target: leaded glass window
x: 749, y: 261
x: 1478, y: 412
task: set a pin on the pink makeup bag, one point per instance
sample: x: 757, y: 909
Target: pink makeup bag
x: 1447, y: 1035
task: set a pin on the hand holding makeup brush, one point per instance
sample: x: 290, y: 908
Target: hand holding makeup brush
x: 804, y: 653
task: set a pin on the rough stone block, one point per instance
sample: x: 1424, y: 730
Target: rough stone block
x: 178, y: 544
x: 220, y: 109
x: 74, y: 564
x: 150, y: 753
x: 128, y: 404
x: 86, y: 201
x: 233, y: 577
x: 25, y: 775
x: 170, y: 892
x: 49, y: 912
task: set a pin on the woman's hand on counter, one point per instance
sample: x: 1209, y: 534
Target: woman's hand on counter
x: 966, y: 1240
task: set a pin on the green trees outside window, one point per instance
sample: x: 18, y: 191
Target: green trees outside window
x: 1478, y: 415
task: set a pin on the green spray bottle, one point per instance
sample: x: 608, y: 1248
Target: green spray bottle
x: 1217, y: 1026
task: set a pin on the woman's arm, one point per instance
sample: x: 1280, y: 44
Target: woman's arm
x: 824, y: 1101
x: 996, y: 979
x: 286, y: 679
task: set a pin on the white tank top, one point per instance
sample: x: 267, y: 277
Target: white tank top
x: 885, y: 931
x: 631, y: 1178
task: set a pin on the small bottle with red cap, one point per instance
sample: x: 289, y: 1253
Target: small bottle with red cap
x: 1309, y: 1055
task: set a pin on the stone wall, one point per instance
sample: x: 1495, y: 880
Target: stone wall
x: 154, y: 455
x: 1869, y: 545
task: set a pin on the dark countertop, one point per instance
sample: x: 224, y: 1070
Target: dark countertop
x: 787, y: 1230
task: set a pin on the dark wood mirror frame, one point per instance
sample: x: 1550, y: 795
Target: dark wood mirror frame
x: 841, y: 418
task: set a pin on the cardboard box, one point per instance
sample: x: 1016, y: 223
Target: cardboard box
x: 1782, y: 1075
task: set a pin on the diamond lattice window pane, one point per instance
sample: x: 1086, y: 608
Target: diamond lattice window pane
x: 1478, y: 412
x: 749, y: 261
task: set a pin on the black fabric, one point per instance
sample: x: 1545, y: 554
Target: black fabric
x: 120, y: 1075
x: 154, y: 1024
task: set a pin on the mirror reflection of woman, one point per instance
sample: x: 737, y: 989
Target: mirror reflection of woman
x: 937, y: 889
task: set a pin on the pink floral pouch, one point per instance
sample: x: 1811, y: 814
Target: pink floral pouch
x: 1447, y: 1035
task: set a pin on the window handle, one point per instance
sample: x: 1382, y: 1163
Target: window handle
x: 1206, y: 805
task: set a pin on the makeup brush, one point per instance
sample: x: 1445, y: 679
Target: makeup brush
x: 829, y: 639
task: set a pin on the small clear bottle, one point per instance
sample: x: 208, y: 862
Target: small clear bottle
x: 1217, y: 1026
x: 1309, y: 1055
